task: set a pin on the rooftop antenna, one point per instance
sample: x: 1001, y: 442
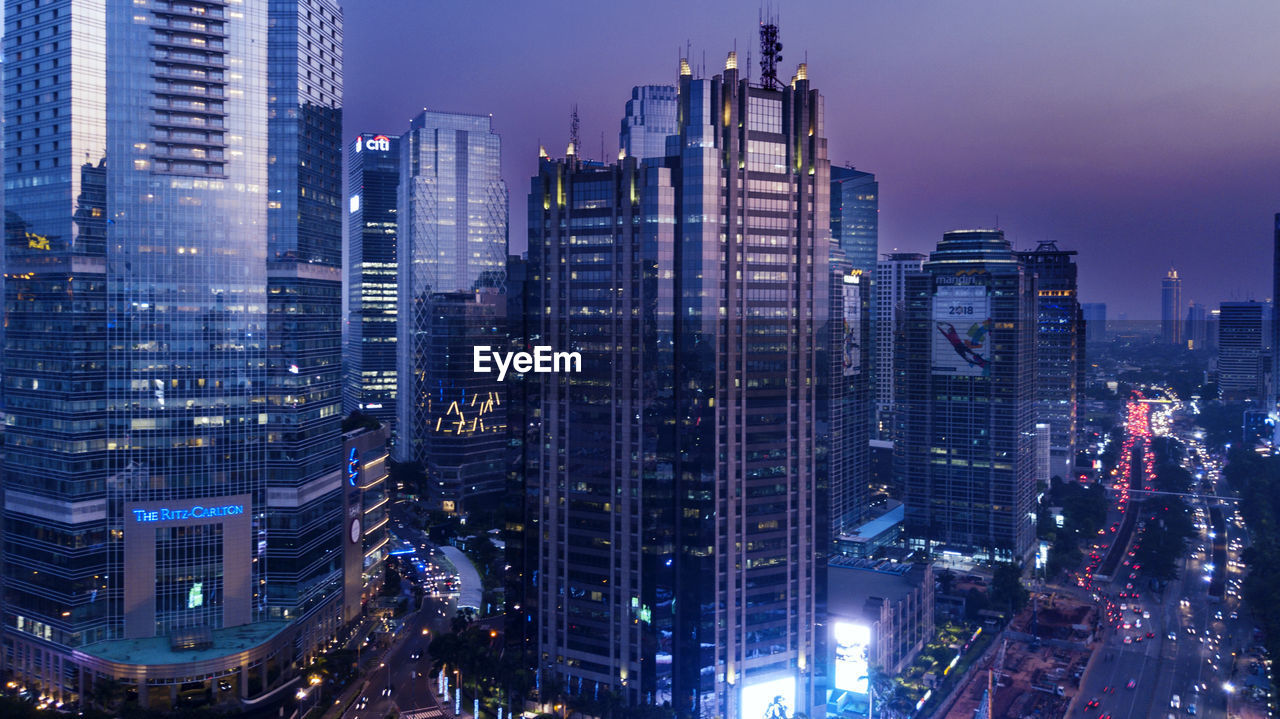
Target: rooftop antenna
x: 573, y: 129
x: 770, y: 52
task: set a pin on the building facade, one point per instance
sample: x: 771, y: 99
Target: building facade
x: 1095, y: 322
x: 451, y: 237
x: 649, y: 120
x: 674, y: 485
x: 157, y: 430
x: 1243, y: 349
x: 369, y: 357
x: 1171, y: 308
x: 1059, y: 350
x: 965, y: 423
x: 891, y: 274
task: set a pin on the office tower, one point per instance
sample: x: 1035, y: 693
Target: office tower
x: 1059, y: 350
x: 844, y: 408
x: 365, y: 510
x: 156, y: 422
x: 650, y: 119
x: 1243, y: 349
x: 965, y: 423
x: 464, y: 438
x: 1171, y: 308
x: 855, y: 217
x: 304, y: 309
x: 891, y: 273
x: 1197, y: 324
x: 452, y: 237
x: 674, y: 480
x: 369, y: 357
x: 1275, y: 319
x: 1095, y: 322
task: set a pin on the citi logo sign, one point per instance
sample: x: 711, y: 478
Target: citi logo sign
x: 378, y: 143
x: 541, y: 361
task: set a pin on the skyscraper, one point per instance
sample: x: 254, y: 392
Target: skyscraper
x: 451, y: 237
x: 1196, y: 326
x: 1243, y: 345
x: 965, y: 423
x: 674, y: 478
x: 891, y: 274
x: 649, y: 120
x: 369, y: 358
x: 855, y: 217
x: 172, y: 347
x: 1095, y: 322
x: 1059, y: 350
x: 1171, y: 308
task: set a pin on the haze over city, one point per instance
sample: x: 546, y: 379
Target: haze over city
x: 1140, y: 134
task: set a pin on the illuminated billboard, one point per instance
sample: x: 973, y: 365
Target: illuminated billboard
x: 769, y: 699
x: 962, y: 331
x: 852, y: 354
x: 853, y: 645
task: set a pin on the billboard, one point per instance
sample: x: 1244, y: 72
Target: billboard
x: 962, y: 331
x: 852, y: 353
x: 853, y: 644
x: 769, y: 699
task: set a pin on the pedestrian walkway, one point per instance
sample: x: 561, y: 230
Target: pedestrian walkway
x: 432, y: 713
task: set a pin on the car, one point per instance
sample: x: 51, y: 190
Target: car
x: 1128, y: 639
x: 1172, y: 636
x: 1133, y: 684
x: 1138, y: 638
x: 1151, y: 635
x: 1092, y: 703
x: 1175, y: 702
x: 386, y: 691
x: 1191, y: 709
x: 1108, y: 689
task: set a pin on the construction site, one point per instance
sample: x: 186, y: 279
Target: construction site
x: 1035, y: 667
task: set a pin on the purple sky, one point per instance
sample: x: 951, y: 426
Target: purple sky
x: 1140, y: 133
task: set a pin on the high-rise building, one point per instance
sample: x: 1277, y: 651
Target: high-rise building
x: 649, y: 120
x: 369, y: 357
x: 1196, y: 326
x: 674, y: 477
x: 1171, y: 308
x: 1059, y: 350
x: 451, y: 237
x: 844, y: 407
x: 1095, y: 322
x: 173, y: 346
x: 855, y: 217
x: 1275, y: 322
x: 965, y: 423
x: 1243, y: 346
x: 464, y: 439
x: 891, y: 273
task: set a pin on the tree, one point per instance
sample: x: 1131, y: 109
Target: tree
x: 1007, y: 591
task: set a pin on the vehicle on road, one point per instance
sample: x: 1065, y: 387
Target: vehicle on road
x: 1133, y: 683
x: 1175, y: 702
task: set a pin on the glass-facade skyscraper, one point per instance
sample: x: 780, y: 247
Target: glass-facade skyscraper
x: 1060, y: 345
x: 649, y: 120
x: 965, y: 419
x: 369, y: 359
x: 451, y: 237
x: 1171, y: 308
x: 673, y: 483
x: 171, y: 355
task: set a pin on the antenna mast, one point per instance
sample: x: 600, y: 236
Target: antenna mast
x: 770, y: 52
x: 573, y: 130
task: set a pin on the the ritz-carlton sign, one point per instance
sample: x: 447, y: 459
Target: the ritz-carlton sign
x: 171, y: 514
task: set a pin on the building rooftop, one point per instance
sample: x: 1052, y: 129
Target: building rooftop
x: 158, y: 650
x: 858, y: 579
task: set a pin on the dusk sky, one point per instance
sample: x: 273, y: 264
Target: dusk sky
x: 1139, y: 133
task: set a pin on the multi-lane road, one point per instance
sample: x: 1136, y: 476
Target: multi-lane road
x: 1171, y: 655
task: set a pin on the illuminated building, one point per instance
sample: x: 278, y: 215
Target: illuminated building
x: 965, y: 419
x: 451, y: 237
x: 1095, y: 322
x: 369, y: 357
x: 464, y: 437
x: 649, y: 120
x: 674, y: 489
x: 366, y: 501
x: 1171, y: 308
x: 880, y: 614
x: 1059, y: 350
x: 173, y: 346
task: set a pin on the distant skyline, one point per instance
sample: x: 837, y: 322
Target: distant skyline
x: 1141, y: 134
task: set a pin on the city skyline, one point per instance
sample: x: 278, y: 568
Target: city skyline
x: 1019, y: 90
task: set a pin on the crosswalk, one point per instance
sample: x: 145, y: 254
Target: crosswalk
x: 432, y: 713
